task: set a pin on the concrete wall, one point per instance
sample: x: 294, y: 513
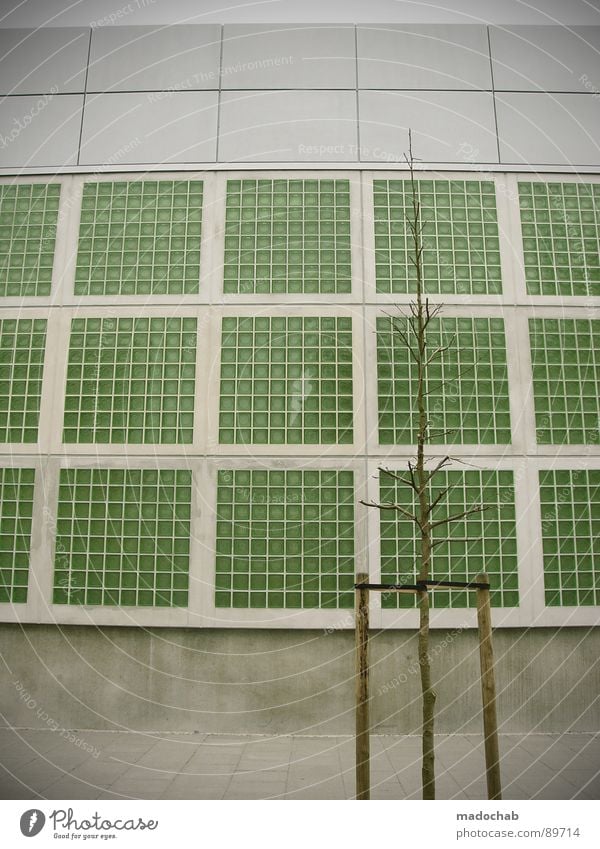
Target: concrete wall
x: 119, y: 96
x: 261, y: 681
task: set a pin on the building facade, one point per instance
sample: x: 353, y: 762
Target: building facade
x: 203, y: 255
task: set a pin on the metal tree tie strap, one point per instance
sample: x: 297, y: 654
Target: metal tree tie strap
x: 423, y: 586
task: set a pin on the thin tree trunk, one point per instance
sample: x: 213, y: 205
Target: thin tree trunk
x: 428, y: 694
x: 420, y: 477
x: 428, y: 764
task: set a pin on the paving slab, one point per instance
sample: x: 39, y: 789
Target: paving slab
x: 129, y: 765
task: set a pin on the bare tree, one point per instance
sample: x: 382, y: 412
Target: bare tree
x: 414, y: 332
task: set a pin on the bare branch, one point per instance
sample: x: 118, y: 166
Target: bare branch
x: 401, y: 314
x: 411, y: 471
x: 436, y: 433
x: 402, y: 333
x: 477, y: 508
x: 440, y: 350
x: 446, y: 491
x: 454, y: 539
x: 415, y: 228
x: 436, y: 458
x: 465, y: 463
x: 418, y: 253
x: 397, y: 477
x: 392, y: 506
x: 439, y: 497
x: 406, y: 341
x: 445, y: 461
x: 431, y: 313
x: 460, y: 373
x: 414, y: 330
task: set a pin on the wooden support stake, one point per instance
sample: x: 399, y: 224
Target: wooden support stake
x: 363, y: 766
x: 488, y: 691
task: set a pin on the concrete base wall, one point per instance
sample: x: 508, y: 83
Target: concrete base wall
x: 261, y: 681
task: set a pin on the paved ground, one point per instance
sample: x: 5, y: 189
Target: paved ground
x: 115, y: 765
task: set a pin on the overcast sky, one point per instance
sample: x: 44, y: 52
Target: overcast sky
x: 34, y: 13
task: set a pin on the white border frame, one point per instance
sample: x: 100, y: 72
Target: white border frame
x: 218, y: 296
x: 61, y: 354
x: 506, y: 617
x: 372, y: 296
x: 286, y: 450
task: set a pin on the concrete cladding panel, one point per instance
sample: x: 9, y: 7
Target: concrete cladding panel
x: 291, y: 126
x: 299, y: 93
x: 40, y: 131
x: 43, y: 60
x: 127, y: 58
x: 545, y: 58
x: 446, y: 126
x: 549, y: 129
x: 424, y: 57
x: 294, y: 56
x: 143, y: 128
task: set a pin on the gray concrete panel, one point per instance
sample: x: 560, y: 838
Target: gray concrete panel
x: 127, y: 58
x: 548, y: 129
x: 295, y: 56
x: 446, y: 126
x: 40, y: 131
x: 149, y: 128
x: 429, y: 57
x: 43, y: 60
x: 292, y: 126
x: 547, y: 58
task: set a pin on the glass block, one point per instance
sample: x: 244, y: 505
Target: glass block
x: 131, y: 380
x: 16, y: 511
x: 286, y: 380
x: 28, y: 221
x: 288, y: 542
x: 570, y: 513
x: 565, y: 356
x: 459, y: 238
x: 466, y: 397
x: 116, y: 542
x: 22, y: 348
x: 287, y: 236
x: 482, y: 542
x: 140, y: 238
x: 560, y: 225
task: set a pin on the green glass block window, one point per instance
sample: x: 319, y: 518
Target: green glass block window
x: 22, y: 347
x: 285, y: 538
x: 490, y: 535
x: 461, y: 253
x: 467, y: 390
x: 16, y: 510
x: 560, y: 225
x: 287, y: 236
x: 28, y: 220
x: 131, y: 380
x: 565, y: 356
x: 123, y: 537
x: 140, y: 238
x: 286, y: 380
x: 570, y: 505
